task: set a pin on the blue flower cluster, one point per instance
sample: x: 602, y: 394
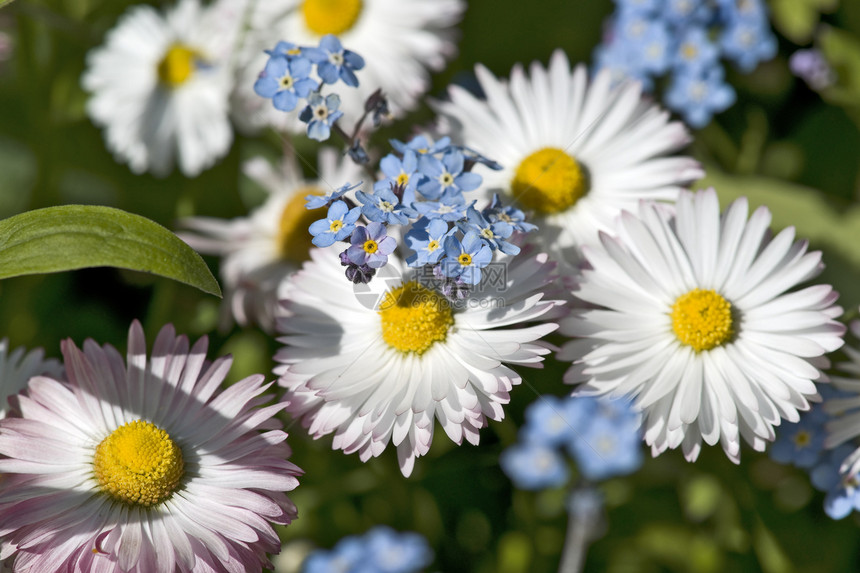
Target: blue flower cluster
x: 380, y: 550
x: 601, y: 435
x: 802, y: 444
x: 422, y: 188
x: 686, y: 39
x: 287, y: 79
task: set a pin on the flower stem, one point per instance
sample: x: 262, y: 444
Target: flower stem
x: 584, y: 524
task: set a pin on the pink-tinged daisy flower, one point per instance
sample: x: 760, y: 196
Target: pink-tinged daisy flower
x: 143, y: 466
x: 694, y: 316
x: 378, y: 363
x: 17, y: 367
x: 574, y: 151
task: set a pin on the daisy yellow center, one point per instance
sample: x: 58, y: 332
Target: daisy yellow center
x: 702, y: 319
x: 370, y: 246
x: 177, y: 65
x: 331, y: 16
x: 549, y: 181
x: 139, y: 464
x: 414, y: 318
x: 293, y: 239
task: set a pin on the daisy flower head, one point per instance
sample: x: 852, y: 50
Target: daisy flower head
x: 693, y: 316
x: 272, y: 241
x: 160, y: 88
x: 378, y: 365
x: 400, y: 43
x: 573, y: 151
x: 143, y: 465
x: 18, y: 366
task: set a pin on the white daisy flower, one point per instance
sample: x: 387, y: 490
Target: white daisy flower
x: 273, y: 240
x: 143, y: 466
x: 160, y: 87
x: 845, y: 405
x: 401, y: 41
x: 691, y: 316
x: 377, y: 363
x: 573, y: 151
x: 18, y: 366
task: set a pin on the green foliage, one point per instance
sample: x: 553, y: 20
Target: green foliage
x: 797, y: 19
x: 72, y: 237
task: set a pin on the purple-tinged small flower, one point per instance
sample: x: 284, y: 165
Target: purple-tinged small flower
x: 356, y: 273
x: 466, y: 259
x: 358, y: 153
x: 510, y: 215
x: 320, y: 114
x: 534, y: 466
x: 377, y: 105
x: 333, y: 62
x: 494, y: 233
x: 383, y: 206
x: 453, y: 289
x: 427, y: 239
x: 401, y: 171
x: 338, y: 224
x: 445, y: 175
x: 371, y: 246
x: 285, y: 80
x: 812, y: 67
x: 421, y: 145
x: 317, y: 201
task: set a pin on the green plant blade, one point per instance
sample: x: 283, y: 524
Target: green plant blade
x: 72, y: 237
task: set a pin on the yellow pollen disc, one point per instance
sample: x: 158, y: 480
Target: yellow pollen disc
x: 286, y: 82
x: 370, y: 246
x: 549, y: 181
x: 335, y: 226
x: 138, y: 464
x: 802, y: 439
x: 414, y: 317
x: 331, y: 16
x: 432, y: 245
x: 403, y: 179
x: 293, y: 239
x: 465, y: 259
x: 702, y: 319
x: 177, y: 65
x: 446, y: 179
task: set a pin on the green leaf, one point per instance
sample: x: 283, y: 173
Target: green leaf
x: 79, y: 236
x: 797, y: 19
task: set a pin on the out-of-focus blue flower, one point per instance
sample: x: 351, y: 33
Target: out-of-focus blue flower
x: 448, y: 208
x: 421, y: 145
x: 532, y: 465
x: 494, y: 233
x: 333, y: 62
x: 801, y: 443
x: 337, y: 225
x: 427, y: 240
x: 380, y: 550
x: 656, y: 49
x: 608, y: 447
x: 696, y: 53
x: 383, y: 206
x: 466, y: 259
x: 698, y: 97
x: 843, y: 491
x: 555, y: 421
x: 445, y: 175
x: 747, y: 43
x: 370, y: 246
x: 286, y: 49
x: 320, y: 114
x: 317, y: 201
x: 285, y: 80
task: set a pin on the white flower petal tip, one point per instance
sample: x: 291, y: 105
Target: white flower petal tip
x: 374, y: 368
x: 144, y: 464
x: 697, y: 316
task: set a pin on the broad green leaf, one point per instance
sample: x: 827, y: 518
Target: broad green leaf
x: 797, y: 19
x: 79, y: 236
x: 842, y: 50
